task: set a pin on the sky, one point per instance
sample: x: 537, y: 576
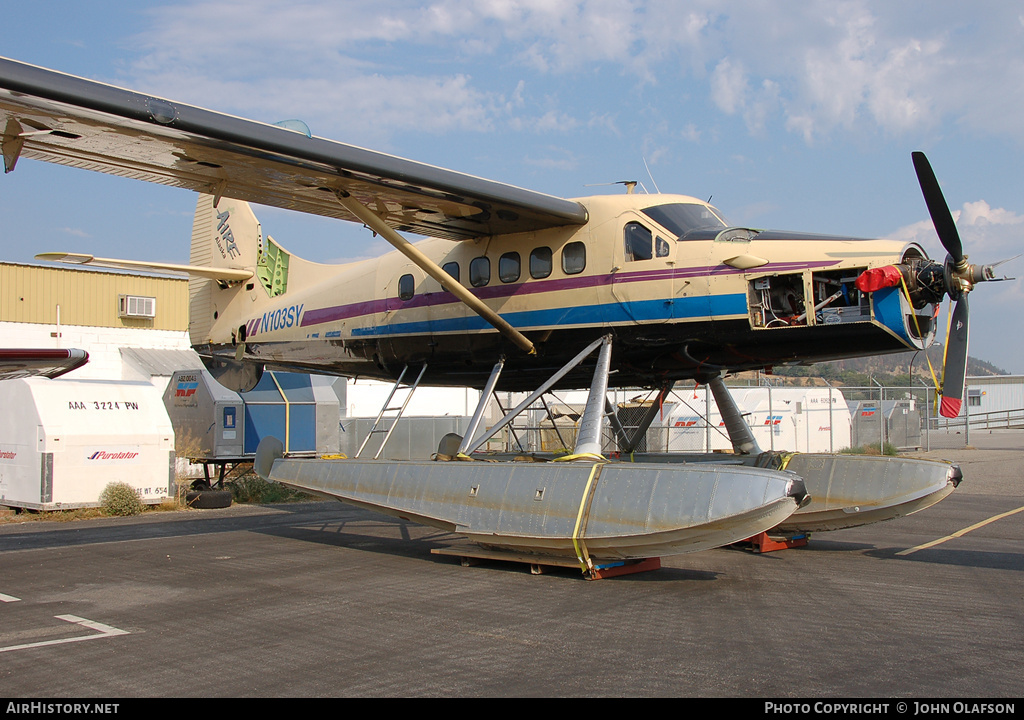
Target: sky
x: 796, y: 116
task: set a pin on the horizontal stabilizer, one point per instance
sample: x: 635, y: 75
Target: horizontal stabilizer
x: 227, y: 274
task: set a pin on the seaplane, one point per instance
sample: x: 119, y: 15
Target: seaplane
x: 515, y: 290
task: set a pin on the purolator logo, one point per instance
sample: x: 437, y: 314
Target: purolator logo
x: 104, y: 455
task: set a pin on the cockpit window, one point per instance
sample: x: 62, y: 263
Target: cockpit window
x: 638, y: 242
x: 683, y: 218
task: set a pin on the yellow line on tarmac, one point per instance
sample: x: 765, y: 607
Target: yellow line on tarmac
x: 960, y: 533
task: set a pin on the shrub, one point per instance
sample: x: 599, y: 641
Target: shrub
x: 872, y: 449
x: 186, y: 447
x: 251, y: 488
x: 120, y: 498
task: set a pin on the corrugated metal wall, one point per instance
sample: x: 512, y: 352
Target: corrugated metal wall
x: 998, y: 393
x: 32, y: 293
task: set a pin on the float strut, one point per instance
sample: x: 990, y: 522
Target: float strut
x: 630, y: 442
x: 511, y: 414
x: 588, y: 441
x: 485, y: 397
x: 743, y: 442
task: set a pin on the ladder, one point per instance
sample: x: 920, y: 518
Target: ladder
x: 380, y: 421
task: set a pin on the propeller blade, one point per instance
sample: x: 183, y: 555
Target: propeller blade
x: 937, y: 208
x: 954, y: 371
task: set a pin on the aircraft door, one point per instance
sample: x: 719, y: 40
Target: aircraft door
x: 690, y: 282
x: 643, y: 279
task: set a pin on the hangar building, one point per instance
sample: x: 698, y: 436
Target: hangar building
x: 119, y: 318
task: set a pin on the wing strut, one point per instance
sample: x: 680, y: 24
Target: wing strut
x: 375, y: 223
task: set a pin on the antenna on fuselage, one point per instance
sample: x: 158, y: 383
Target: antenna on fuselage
x: 653, y: 181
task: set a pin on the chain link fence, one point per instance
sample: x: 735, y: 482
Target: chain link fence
x: 886, y: 417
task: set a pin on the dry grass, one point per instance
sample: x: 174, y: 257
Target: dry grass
x: 12, y: 516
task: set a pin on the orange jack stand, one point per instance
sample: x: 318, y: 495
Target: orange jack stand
x: 626, y: 568
x: 762, y: 542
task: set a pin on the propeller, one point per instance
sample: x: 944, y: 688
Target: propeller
x: 945, y: 228
x: 954, y: 368
x: 959, y: 278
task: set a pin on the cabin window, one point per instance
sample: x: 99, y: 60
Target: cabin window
x: 661, y: 247
x: 574, y: 258
x: 406, y: 287
x: 637, y: 242
x: 452, y: 268
x: 479, y: 272
x: 540, y: 263
x: 509, y: 267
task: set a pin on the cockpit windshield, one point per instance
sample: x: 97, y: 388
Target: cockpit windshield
x: 683, y: 218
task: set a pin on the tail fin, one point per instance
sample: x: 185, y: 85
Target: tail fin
x: 227, y: 235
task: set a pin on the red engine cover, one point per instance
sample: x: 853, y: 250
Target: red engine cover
x: 878, y: 278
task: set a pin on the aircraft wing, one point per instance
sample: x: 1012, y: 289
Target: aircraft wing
x: 51, y: 116
x: 51, y: 363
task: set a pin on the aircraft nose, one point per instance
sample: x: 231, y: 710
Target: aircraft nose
x: 798, y: 491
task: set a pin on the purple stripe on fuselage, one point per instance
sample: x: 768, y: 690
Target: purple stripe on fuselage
x: 370, y: 307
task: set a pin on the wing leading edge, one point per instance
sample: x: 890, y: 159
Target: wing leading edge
x: 59, y: 118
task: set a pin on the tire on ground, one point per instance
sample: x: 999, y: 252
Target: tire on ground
x: 208, y: 499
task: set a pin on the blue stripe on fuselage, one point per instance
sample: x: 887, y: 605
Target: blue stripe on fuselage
x: 599, y: 315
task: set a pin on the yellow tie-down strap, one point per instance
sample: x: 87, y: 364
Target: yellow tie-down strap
x: 577, y: 542
x: 582, y: 456
x: 917, y: 326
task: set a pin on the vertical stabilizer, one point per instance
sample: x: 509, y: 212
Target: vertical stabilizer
x: 225, y: 236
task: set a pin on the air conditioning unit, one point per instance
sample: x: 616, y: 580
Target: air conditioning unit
x: 136, y: 306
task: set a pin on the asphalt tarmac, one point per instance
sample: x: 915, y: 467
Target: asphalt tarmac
x: 325, y: 600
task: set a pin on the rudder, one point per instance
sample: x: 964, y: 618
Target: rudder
x: 227, y: 235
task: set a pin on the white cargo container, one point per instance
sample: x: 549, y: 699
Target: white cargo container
x: 63, y: 441
x: 784, y: 419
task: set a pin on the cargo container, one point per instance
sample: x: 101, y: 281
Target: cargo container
x: 62, y: 441
x: 897, y: 422
x: 783, y: 419
x: 217, y: 425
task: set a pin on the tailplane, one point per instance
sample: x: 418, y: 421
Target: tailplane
x: 235, y: 274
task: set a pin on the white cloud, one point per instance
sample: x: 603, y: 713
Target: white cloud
x: 557, y: 159
x: 729, y: 85
x: 981, y: 214
x: 815, y: 68
x: 988, y: 234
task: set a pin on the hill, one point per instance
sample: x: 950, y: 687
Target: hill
x: 898, y: 369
